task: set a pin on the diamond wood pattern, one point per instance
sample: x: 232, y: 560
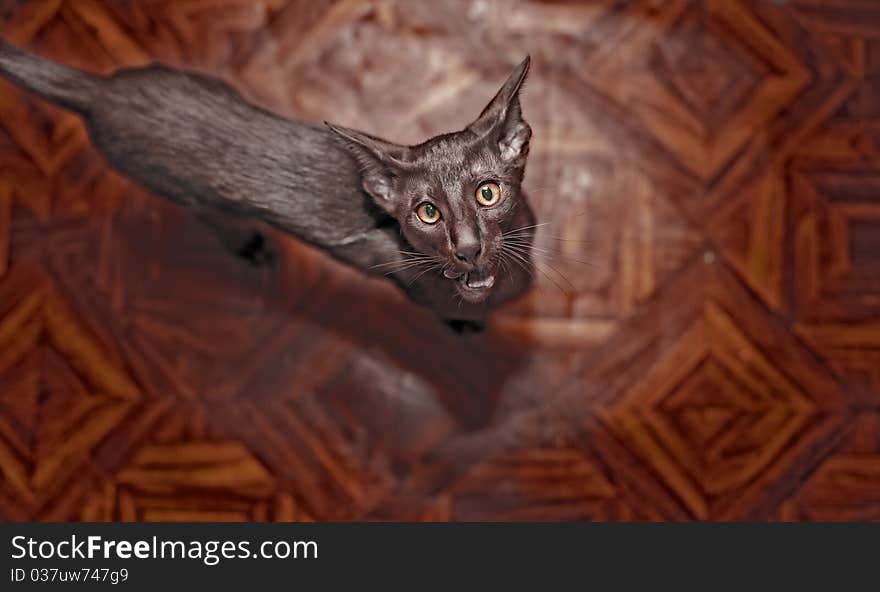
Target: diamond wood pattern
x: 703, y: 342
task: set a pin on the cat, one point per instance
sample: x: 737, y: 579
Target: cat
x: 446, y: 219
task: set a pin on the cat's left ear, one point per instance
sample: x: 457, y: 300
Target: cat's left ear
x: 381, y: 163
x: 502, y: 118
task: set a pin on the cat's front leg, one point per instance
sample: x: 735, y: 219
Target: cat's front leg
x: 462, y: 327
x: 243, y: 237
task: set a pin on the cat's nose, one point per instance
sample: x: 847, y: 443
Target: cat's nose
x: 468, y: 252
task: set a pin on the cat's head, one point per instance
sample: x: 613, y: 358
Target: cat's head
x: 455, y: 194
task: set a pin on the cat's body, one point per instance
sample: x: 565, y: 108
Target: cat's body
x: 196, y: 141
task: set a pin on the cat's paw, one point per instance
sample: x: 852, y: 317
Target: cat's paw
x: 461, y: 327
x: 243, y: 238
x: 258, y: 251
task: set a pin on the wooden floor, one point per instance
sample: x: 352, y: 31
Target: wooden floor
x: 703, y: 343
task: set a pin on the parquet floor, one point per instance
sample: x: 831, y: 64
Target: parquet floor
x: 716, y: 163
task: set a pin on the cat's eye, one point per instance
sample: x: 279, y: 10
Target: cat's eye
x: 428, y: 213
x: 488, y: 194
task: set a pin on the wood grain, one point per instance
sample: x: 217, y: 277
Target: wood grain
x: 703, y: 341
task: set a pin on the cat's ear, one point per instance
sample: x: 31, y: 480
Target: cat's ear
x: 502, y: 118
x: 381, y: 163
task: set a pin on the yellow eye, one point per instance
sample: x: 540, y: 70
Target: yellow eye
x: 428, y: 213
x: 488, y: 194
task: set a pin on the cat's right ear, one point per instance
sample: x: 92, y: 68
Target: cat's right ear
x: 381, y: 163
x: 502, y: 119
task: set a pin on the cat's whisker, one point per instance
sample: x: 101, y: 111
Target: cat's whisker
x: 569, y: 240
x: 557, y: 255
x: 423, y: 272
x: 502, y: 265
x: 514, y: 253
x: 527, y: 235
x: 554, y: 282
x: 528, y: 271
x: 560, y: 274
x: 524, y: 262
x: 541, y: 238
x: 532, y: 230
x: 532, y: 244
x: 510, y: 256
x: 524, y: 228
x: 407, y: 265
x: 408, y: 259
x: 395, y: 265
x: 413, y: 268
x: 565, y: 259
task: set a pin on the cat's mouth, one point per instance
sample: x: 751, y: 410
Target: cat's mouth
x: 475, y: 285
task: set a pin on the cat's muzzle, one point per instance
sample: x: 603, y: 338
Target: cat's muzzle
x: 474, y: 285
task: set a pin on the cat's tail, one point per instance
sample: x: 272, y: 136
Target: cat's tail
x: 68, y: 87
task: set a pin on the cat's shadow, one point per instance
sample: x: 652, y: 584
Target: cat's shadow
x: 466, y: 367
x: 464, y: 370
